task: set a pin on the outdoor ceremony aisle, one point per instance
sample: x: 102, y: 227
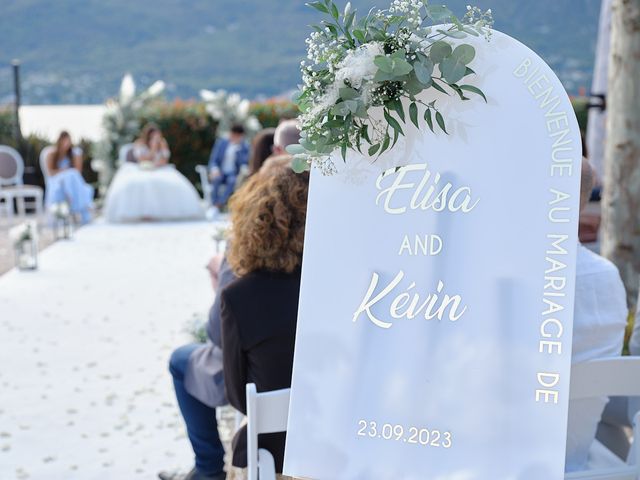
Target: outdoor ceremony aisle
x: 84, y: 343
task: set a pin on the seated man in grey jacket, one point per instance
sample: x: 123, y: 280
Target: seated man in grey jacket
x: 199, y: 384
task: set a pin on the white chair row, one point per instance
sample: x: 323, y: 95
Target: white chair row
x: 616, y: 377
x: 13, y: 188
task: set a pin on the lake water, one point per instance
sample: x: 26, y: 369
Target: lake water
x: 82, y: 121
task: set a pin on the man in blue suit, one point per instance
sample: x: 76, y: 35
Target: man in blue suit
x: 227, y: 158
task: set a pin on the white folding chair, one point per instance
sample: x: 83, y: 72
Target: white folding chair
x: 610, y: 377
x: 12, y: 186
x: 203, y: 171
x: 267, y: 412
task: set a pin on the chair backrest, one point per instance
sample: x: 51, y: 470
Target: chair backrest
x: 11, y: 166
x: 266, y: 413
x: 125, y: 154
x: 44, y: 163
x: 609, y: 377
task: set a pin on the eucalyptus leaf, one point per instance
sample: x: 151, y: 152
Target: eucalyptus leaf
x: 459, y: 91
x: 392, y: 121
x: 360, y: 35
x: 413, y: 86
x: 396, y: 105
x: 413, y: 114
x: 423, y: 72
x: 340, y: 109
x: 295, y: 149
x: 361, y: 110
x: 453, y: 33
x: 299, y: 165
x: 373, y: 149
x: 334, y: 11
x: 318, y: 6
x: 440, y: 122
x: 348, y: 93
x: 452, y: 69
x: 347, y: 9
x: 401, y: 67
x: 438, y: 13
x: 464, y: 53
x: 471, y: 31
x: 381, y: 76
x: 364, y: 133
x: 348, y: 21
x: 472, y: 89
x: 384, y: 63
x: 439, y: 51
x: 429, y: 118
x: 439, y: 88
x: 385, y: 143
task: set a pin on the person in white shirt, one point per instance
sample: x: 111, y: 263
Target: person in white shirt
x: 287, y: 133
x: 599, y: 322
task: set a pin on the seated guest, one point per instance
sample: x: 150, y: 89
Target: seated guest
x: 65, y: 183
x: 261, y: 149
x: 259, y: 310
x: 287, y: 133
x: 151, y: 146
x: 198, y: 381
x: 600, y: 318
x: 228, y: 157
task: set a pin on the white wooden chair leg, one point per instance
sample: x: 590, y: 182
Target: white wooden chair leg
x: 266, y: 465
x: 22, y: 211
x: 39, y: 204
x: 10, y: 212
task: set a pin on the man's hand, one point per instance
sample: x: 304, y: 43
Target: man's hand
x: 214, y: 173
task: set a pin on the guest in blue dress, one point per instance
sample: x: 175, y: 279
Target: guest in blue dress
x: 65, y: 182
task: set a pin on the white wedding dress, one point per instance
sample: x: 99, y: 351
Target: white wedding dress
x: 161, y: 193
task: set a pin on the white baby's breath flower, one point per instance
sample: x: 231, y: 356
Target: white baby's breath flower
x: 358, y: 67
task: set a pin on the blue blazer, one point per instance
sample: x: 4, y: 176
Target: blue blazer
x: 217, y: 154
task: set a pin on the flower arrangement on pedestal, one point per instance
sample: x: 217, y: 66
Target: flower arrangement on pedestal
x: 24, y: 238
x: 121, y: 124
x: 228, y: 110
x: 383, y: 60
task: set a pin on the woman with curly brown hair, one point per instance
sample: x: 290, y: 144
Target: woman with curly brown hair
x: 258, y: 316
x: 259, y: 310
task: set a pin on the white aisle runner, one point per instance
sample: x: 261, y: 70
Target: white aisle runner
x: 84, y: 343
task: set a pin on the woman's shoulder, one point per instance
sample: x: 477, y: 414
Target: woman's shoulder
x: 259, y: 283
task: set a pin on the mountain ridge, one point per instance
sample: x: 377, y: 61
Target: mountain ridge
x: 75, y: 52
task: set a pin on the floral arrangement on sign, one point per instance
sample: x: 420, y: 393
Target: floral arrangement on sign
x: 228, y: 110
x: 383, y: 60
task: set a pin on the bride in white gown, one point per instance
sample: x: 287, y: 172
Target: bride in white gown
x: 147, y: 187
